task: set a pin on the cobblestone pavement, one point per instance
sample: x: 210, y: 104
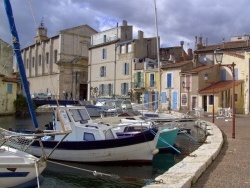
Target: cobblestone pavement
x: 231, y: 168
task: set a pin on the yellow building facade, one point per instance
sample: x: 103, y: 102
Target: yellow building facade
x: 8, y: 93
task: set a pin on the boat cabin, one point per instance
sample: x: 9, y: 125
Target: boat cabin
x: 77, y: 119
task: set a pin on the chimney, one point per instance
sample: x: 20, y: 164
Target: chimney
x: 124, y: 23
x: 140, y: 34
x: 182, y: 43
x: 190, y: 52
x: 200, y: 41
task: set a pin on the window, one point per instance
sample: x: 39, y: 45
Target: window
x: 55, y: 56
x: 104, y: 38
x: 27, y: 63
x: 125, y: 69
x: 124, y: 88
x: 211, y: 100
x: 9, y: 88
x: 129, y: 48
x: 139, y: 80
x: 110, y: 89
x: 88, y: 136
x: 33, y: 61
x: 169, y: 80
x: 123, y: 49
x: 102, y: 71
x: 104, y: 53
x: 47, y: 57
x: 40, y: 59
x: 152, y: 80
x: 235, y: 97
x: 102, y: 89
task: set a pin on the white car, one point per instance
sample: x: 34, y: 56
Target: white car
x: 41, y: 96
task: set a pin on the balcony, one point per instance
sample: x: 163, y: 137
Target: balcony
x: 138, y: 85
x: 139, y: 66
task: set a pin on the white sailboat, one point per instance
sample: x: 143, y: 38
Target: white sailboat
x: 18, y: 168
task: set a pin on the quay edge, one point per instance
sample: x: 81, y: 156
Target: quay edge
x: 185, y: 173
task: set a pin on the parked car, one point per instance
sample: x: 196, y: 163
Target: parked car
x: 114, y: 106
x: 41, y: 96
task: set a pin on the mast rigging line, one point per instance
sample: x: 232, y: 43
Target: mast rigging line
x: 16, y: 48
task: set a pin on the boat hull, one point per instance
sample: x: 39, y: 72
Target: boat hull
x: 167, y: 138
x: 17, y: 168
x: 137, y: 148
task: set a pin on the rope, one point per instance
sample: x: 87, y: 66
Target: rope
x: 164, y: 141
x: 37, y: 175
x: 32, y: 12
x: 95, y: 173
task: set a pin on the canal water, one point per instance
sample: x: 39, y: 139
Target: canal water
x: 75, y: 175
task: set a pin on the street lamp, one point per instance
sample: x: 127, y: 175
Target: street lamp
x: 188, y: 88
x: 212, y: 83
x: 218, y: 56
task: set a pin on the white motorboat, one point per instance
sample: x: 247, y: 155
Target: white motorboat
x: 17, y: 167
x: 95, y: 142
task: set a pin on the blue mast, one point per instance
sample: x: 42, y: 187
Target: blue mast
x: 16, y: 48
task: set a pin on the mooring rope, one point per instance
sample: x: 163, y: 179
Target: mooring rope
x: 37, y: 175
x: 95, y: 173
x: 164, y: 141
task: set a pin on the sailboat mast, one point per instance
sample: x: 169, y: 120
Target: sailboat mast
x: 158, y: 56
x: 17, y: 51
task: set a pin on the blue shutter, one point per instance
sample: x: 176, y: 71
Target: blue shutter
x: 163, y: 97
x: 169, y: 80
x: 156, y: 100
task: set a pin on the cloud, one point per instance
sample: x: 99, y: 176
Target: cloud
x: 177, y: 20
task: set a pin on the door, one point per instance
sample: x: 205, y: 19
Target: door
x: 83, y: 91
x: 205, y: 102
x: 194, y: 102
x: 174, y: 102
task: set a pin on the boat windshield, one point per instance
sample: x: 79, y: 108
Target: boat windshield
x: 80, y: 115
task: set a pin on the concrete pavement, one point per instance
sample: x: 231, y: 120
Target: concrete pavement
x: 231, y: 168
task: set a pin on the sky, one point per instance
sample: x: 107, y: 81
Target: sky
x: 177, y: 20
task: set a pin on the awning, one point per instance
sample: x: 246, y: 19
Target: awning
x: 219, y: 87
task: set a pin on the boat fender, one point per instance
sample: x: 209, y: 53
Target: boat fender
x: 155, y: 151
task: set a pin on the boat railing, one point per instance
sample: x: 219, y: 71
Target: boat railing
x: 22, y: 141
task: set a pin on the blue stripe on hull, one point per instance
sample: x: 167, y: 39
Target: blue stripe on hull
x: 13, y: 174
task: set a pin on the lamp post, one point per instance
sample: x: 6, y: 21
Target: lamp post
x: 188, y: 88
x: 212, y: 83
x: 218, y: 57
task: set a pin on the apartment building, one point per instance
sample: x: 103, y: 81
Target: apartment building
x: 59, y: 64
x: 113, y: 56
